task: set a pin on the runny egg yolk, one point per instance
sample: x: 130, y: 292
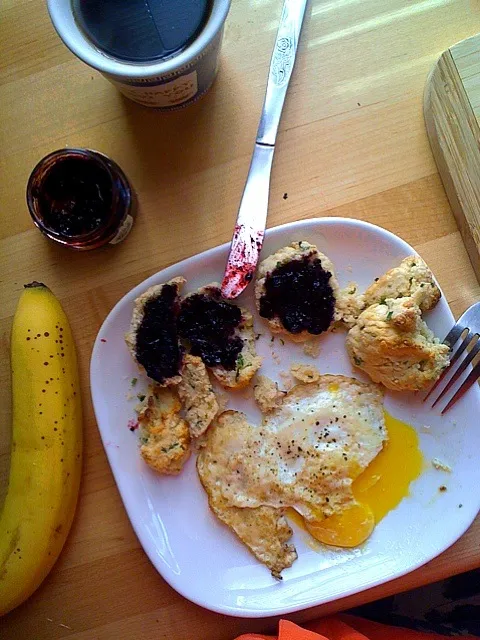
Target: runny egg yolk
x: 378, y: 490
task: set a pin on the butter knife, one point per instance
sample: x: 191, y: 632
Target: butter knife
x: 249, y: 229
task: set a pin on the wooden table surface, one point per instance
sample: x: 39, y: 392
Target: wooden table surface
x: 352, y: 143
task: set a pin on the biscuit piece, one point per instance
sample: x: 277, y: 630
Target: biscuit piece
x: 221, y: 334
x: 349, y: 305
x: 267, y: 394
x: 394, y: 346
x: 197, y: 396
x: 412, y: 278
x: 164, y: 434
x: 287, y: 300
x: 247, y: 364
x: 152, y: 338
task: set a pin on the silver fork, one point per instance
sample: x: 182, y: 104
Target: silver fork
x: 467, y: 330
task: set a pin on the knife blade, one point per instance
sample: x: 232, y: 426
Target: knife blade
x: 249, y: 229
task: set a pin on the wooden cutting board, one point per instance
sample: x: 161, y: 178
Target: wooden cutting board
x: 452, y: 116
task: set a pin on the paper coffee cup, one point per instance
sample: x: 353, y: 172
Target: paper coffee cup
x: 161, y: 84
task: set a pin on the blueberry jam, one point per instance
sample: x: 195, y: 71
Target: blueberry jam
x: 76, y: 197
x: 299, y: 294
x: 209, y: 323
x: 157, y: 347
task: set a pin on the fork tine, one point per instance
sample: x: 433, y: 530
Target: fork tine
x: 468, y: 382
x: 457, y: 330
x: 463, y: 365
x: 453, y: 335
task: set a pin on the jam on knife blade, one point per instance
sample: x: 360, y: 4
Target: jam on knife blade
x: 242, y: 261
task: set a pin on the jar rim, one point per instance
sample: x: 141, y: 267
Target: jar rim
x: 120, y: 190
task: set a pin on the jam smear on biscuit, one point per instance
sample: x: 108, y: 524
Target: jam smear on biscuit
x: 300, y: 295
x: 157, y: 346
x: 209, y: 324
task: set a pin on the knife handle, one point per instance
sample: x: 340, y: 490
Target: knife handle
x: 281, y: 67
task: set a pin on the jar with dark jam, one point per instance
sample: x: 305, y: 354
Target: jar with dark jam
x: 80, y: 199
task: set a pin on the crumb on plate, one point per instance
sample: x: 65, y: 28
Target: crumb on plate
x: 287, y: 379
x: 267, y: 394
x: 222, y: 400
x: 312, y: 347
x: 276, y: 358
x: 304, y: 372
x: 440, y: 465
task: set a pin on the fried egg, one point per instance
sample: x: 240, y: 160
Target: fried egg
x: 306, y: 455
x: 264, y: 530
x: 308, y: 452
x: 377, y: 490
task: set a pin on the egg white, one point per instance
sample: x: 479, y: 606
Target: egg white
x: 306, y: 453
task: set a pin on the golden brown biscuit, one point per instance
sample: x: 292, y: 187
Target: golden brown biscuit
x: 412, y: 278
x: 394, y: 346
x: 165, y: 436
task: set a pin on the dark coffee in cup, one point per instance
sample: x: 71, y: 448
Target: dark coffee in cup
x: 160, y: 53
x: 141, y: 30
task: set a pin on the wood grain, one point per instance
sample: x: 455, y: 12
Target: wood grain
x: 352, y: 143
x: 452, y: 110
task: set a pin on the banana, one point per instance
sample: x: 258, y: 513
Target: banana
x: 46, y: 454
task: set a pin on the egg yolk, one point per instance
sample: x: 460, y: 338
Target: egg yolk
x: 347, y: 529
x: 377, y: 490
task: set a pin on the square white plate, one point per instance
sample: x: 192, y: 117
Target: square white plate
x: 201, y: 558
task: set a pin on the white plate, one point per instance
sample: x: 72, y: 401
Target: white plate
x: 201, y: 558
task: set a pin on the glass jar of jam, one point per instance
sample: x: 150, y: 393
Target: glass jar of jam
x: 80, y: 198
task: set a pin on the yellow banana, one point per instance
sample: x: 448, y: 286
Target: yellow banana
x: 46, y: 445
